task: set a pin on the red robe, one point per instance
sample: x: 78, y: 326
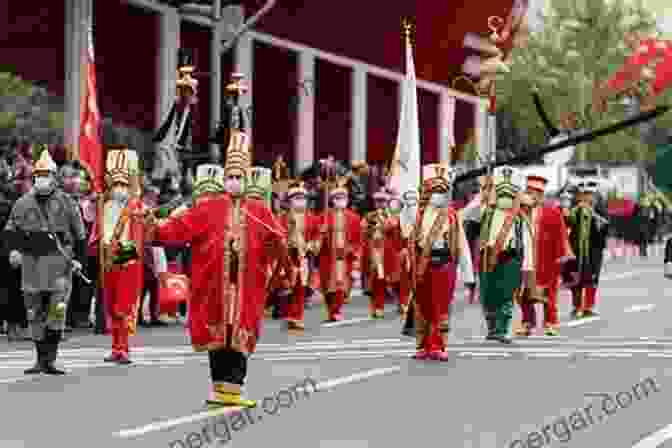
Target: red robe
x: 123, y: 285
x: 394, y: 244
x: 435, y: 285
x: 310, y: 227
x: 550, y: 233
x: 221, y: 299
x: 330, y: 279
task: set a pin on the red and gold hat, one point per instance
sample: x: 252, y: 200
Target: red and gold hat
x: 339, y: 188
x: 537, y: 183
x: 296, y: 188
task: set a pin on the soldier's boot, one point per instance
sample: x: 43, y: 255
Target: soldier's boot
x: 39, y: 353
x: 52, y: 339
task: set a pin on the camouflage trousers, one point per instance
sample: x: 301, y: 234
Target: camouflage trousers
x: 47, y: 309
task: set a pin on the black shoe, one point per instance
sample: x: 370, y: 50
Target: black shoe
x: 491, y: 337
x: 408, y: 332
x: 35, y: 370
x: 68, y: 329
x: 50, y: 369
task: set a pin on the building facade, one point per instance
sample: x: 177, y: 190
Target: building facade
x: 323, y: 82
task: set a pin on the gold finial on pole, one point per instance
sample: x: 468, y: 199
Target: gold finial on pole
x: 408, y: 28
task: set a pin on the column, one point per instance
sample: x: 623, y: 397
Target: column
x: 446, y: 126
x: 304, y: 153
x: 244, y: 63
x: 75, y: 31
x: 215, y: 85
x: 169, y: 41
x: 359, y: 114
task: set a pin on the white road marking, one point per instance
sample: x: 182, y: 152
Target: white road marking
x: 576, y: 323
x: 623, y: 275
x: 656, y: 439
x: 549, y: 355
x: 322, y: 386
x: 637, y: 308
x: 347, y: 322
x: 609, y: 355
x: 500, y: 354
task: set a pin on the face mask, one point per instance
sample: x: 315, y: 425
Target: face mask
x: 234, y: 186
x: 410, y: 199
x: 340, y: 203
x: 300, y: 203
x: 119, y: 196
x: 439, y: 200
x: 43, y: 184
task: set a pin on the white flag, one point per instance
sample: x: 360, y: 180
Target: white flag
x: 405, y: 167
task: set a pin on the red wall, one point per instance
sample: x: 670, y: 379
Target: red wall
x: 125, y: 40
x: 382, y: 119
x: 197, y: 38
x: 32, y: 41
x: 333, y: 105
x: 274, y: 118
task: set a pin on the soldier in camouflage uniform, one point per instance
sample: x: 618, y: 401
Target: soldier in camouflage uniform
x: 47, y: 279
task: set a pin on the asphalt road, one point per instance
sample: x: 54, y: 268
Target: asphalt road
x: 488, y: 395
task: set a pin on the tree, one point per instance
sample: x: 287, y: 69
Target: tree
x: 581, y: 42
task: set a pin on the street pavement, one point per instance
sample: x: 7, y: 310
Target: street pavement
x: 487, y: 395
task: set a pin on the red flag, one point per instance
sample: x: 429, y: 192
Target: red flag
x: 90, y: 147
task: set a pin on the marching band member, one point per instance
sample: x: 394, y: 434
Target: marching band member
x: 303, y: 239
x: 122, y: 238
x: 506, y: 253
x: 439, y: 244
x: 551, y: 246
x: 588, y: 239
x: 397, y: 257
x: 233, y: 241
x: 341, y: 240
x: 373, y: 253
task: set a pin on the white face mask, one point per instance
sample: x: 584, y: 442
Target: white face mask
x: 119, y: 196
x: 340, y: 203
x: 234, y: 186
x: 44, y: 184
x: 299, y: 203
x: 439, y: 200
x: 410, y: 199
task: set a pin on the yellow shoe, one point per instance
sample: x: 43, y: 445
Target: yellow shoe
x: 228, y: 399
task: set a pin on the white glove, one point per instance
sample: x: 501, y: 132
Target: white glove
x: 15, y: 258
x: 76, y: 266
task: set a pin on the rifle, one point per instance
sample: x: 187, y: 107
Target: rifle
x: 77, y: 271
x: 539, y: 151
